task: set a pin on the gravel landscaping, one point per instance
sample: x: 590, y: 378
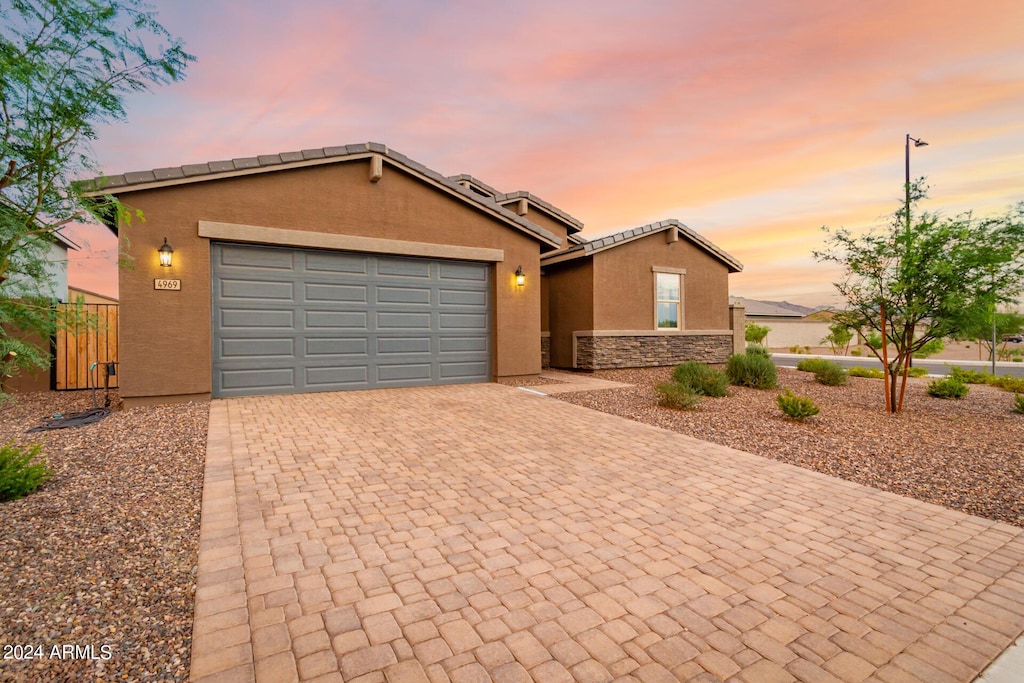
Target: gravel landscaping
x: 103, y: 556
x: 967, y: 455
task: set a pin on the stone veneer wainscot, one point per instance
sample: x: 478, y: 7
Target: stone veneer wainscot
x: 642, y: 350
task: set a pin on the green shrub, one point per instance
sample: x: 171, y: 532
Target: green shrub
x: 831, y: 375
x: 756, y: 334
x: 19, y: 476
x: 755, y: 350
x: 870, y: 373
x: 795, y: 348
x: 751, y: 370
x: 874, y: 340
x: 918, y: 372
x: 931, y: 348
x: 855, y: 352
x: 1018, y: 404
x: 701, y: 378
x: 677, y: 396
x: 813, y: 364
x: 970, y: 376
x: 1008, y: 383
x: 797, y: 407
x: 948, y: 387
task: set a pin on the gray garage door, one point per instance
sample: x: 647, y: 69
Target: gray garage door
x: 300, y: 320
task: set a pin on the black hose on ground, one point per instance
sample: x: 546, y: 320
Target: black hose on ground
x: 72, y: 420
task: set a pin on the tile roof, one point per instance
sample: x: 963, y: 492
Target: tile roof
x: 174, y: 175
x: 615, y: 239
x: 574, y: 223
x: 466, y: 178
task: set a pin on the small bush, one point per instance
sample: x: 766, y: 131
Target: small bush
x: 756, y: 334
x: 1008, y: 383
x: 1018, y: 404
x: 831, y: 375
x: 813, y: 364
x: 948, y: 387
x: 701, y: 378
x: 918, y: 372
x: 797, y: 407
x: 751, y: 370
x: 795, y: 348
x: 870, y: 373
x: 677, y: 396
x: 19, y: 476
x: 755, y: 350
x: 855, y: 352
x: 970, y: 376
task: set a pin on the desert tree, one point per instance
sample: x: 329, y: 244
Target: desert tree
x: 914, y: 286
x: 66, y: 67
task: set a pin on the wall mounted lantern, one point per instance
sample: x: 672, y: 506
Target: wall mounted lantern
x: 166, y: 253
x: 520, y: 276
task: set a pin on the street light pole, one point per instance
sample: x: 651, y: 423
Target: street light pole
x: 917, y: 143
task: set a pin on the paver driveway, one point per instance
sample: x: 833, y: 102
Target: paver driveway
x: 478, y: 532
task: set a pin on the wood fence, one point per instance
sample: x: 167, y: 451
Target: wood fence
x: 78, y: 347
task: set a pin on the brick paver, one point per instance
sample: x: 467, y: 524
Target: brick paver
x: 480, y: 532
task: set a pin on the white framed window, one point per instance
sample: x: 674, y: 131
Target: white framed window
x: 668, y: 298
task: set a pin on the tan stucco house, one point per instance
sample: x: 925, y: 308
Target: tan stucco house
x: 356, y: 267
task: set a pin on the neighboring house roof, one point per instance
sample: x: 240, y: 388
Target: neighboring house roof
x: 65, y: 241
x: 588, y: 248
x: 577, y: 239
x: 574, y: 224
x: 764, y: 309
x: 264, y: 163
x: 78, y: 290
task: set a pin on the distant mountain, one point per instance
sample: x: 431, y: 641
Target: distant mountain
x: 778, y: 308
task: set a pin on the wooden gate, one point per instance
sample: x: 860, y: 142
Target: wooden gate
x: 78, y: 347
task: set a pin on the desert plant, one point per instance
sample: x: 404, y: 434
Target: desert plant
x: 751, y: 370
x: 918, y: 372
x: 839, y: 337
x: 813, y: 364
x: 933, y: 347
x: 856, y: 352
x: 1018, y: 404
x: 679, y: 396
x: 756, y: 334
x: 1008, y: 383
x: 701, y: 378
x: 870, y: 373
x: 970, y: 376
x: 948, y: 387
x: 797, y: 407
x: 19, y: 475
x: 756, y: 350
x: 831, y: 375
x: 795, y: 348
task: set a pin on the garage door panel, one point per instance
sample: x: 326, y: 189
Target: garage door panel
x: 462, y: 344
x: 256, y: 318
x: 337, y: 376
x: 292, y: 320
x: 462, y: 370
x: 403, y: 321
x: 463, y: 321
x: 403, y: 295
x: 250, y: 379
x: 471, y: 272
x: 459, y: 297
x: 335, y: 320
x: 404, y: 372
x: 249, y: 347
x: 412, y: 268
x: 317, y: 291
x: 336, y: 346
x: 256, y: 258
x: 404, y: 345
x: 256, y: 290
x: 335, y: 262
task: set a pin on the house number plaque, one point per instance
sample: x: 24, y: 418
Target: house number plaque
x: 163, y: 283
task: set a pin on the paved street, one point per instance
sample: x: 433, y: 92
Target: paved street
x: 480, y: 532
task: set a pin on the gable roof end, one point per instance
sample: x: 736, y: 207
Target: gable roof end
x: 619, y: 238
x: 264, y: 163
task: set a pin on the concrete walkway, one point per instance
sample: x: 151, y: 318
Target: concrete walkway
x: 480, y: 532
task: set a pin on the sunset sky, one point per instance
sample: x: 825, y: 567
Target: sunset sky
x: 755, y: 123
